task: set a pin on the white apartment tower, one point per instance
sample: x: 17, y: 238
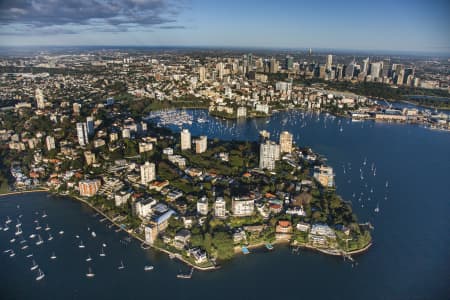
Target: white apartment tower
x: 185, y: 139
x: 220, y: 208
x: 269, y: 153
x: 201, y: 144
x: 147, y: 172
x: 40, y: 101
x: 50, y: 142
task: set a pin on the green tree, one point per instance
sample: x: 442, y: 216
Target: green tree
x: 223, y: 243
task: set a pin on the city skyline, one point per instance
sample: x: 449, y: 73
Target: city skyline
x: 410, y: 26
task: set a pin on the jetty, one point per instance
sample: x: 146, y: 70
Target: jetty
x: 186, y: 276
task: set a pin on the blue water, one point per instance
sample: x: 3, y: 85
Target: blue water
x: 410, y: 258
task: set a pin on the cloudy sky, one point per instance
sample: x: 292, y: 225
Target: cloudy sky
x: 411, y: 25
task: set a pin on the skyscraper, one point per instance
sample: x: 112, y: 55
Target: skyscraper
x: 350, y: 70
x: 90, y: 125
x: 147, y: 172
x: 329, y: 62
x: 220, y: 69
x: 185, y: 139
x: 375, y: 69
x: 273, y: 65
x: 202, y: 74
x: 288, y: 62
x: 82, y: 134
x: 365, y: 68
x: 269, y: 153
x: 285, y: 142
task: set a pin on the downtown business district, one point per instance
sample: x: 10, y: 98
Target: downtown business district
x: 87, y: 138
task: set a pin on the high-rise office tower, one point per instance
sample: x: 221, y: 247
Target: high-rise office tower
x: 329, y: 62
x: 90, y: 125
x: 288, y: 62
x: 365, y: 68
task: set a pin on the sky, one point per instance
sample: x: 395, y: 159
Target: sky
x: 402, y: 25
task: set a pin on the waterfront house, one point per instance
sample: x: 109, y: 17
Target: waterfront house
x: 323, y: 230
x: 199, y: 255
x: 181, y: 239
x: 301, y: 226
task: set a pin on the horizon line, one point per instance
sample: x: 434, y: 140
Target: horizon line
x: 257, y: 48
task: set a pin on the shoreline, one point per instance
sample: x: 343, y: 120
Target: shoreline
x: 237, y: 249
x: 25, y: 192
x: 138, y: 238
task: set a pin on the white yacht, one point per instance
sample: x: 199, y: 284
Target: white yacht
x: 29, y: 255
x: 61, y: 232
x: 53, y: 256
x: 19, y: 231
x: 148, y: 268
x: 24, y: 247
x: 89, y: 258
x: 93, y: 234
x: 90, y: 273
x: 12, y: 240
x: 47, y: 228
x: 8, y: 220
x: 81, y: 245
x: 40, y: 241
x: 34, y: 266
x: 102, y: 253
x: 12, y: 254
x: 40, y: 275
x: 50, y: 237
x: 121, y: 267
x: 44, y: 215
x: 32, y: 236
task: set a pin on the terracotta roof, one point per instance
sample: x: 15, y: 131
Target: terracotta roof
x: 283, y: 223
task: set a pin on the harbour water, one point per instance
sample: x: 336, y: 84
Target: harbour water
x: 409, y: 259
